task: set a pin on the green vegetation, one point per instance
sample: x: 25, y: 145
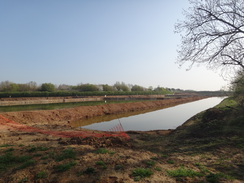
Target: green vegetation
x: 23, y: 180
x: 149, y: 163
x: 216, y: 178
x: 5, y: 145
x: 170, y: 162
x: 8, y: 159
x: 48, y: 87
x: 78, y: 94
x: 225, y: 120
x: 37, y: 148
x: 10, y: 89
x: 64, y: 167
x: 102, y: 151
x: 102, y: 164
x: 66, y: 154
x: 238, y: 88
x: 118, y: 167
x: 140, y: 173
x: 41, y: 175
x: 26, y: 164
x: 183, y: 172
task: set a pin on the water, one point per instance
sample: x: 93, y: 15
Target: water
x: 163, y: 119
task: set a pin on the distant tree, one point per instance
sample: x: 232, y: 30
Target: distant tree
x: 87, y: 87
x: 23, y: 87
x: 238, y: 88
x: 161, y: 89
x: 150, y: 88
x: 213, y: 34
x: 137, y: 88
x: 107, y: 88
x: 48, y: 87
x: 121, y: 86
x: 32, y: 86
x: 64, y: 87
x: 7, y: 86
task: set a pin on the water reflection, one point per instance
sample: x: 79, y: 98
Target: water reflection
x: 168, y: 118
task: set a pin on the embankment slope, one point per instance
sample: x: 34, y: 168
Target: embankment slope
x: 64, y: 116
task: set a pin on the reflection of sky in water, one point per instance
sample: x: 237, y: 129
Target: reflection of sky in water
x: 168, y: 118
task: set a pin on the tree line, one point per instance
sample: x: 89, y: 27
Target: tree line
x: 7, y: 86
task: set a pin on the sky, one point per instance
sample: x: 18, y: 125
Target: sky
x: 98, y: 42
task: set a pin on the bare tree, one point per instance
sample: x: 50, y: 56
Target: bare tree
x: 213, y: 34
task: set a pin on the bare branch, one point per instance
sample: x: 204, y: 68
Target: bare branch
x: 213, y: 33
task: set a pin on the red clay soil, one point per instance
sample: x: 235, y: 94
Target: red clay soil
x: 44, y: 120
x: 65, y: 134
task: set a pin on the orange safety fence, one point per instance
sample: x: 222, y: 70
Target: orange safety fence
x: 66, y: 134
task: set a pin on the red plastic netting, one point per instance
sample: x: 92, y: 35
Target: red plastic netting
x: 66, y: 134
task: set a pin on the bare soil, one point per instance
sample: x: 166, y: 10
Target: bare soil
x: 58, y: 153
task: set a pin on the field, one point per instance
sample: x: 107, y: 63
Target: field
x: 207, y: 148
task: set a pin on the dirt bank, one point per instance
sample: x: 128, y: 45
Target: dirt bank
x: 65, y: 116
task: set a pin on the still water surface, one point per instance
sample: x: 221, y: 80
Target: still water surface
x: 168, y: 118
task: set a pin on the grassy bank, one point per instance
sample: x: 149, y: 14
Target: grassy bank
x: 212, y: 140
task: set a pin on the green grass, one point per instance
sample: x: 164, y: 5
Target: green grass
x: 66, y: 154
x: 5, y: 145
x: 23, y: 180
x: 158, y: 169
x: 202, y: 168
x: 228, y: 102
x: 64, y: 167
x: 140, y: 173
x: 26, y: 164
x: 216, y: 178
x: 149, y: 163
x: 8, y: 160
x: 183, y: 172
x: 118, y: 167
x: 41, y: 175
x: 9, y: 150
x: 37, y: 148
x: 170, y: 162
x: 102, y: 151
x: 102, y: 164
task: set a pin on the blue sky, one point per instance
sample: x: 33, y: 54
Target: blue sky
x: 97, y: 42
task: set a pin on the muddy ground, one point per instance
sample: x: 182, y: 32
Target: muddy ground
x: 35, y: 147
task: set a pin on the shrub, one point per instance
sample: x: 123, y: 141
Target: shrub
x: 49, y: 87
